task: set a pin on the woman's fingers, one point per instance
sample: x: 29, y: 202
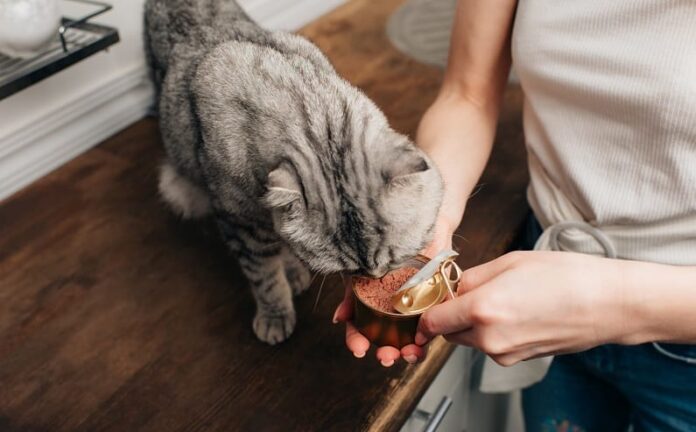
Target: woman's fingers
x: 413, y: 353
x: 388, y: 355
x: 442, y: 239
x: 356, y: 342
x: 466, y: 337
x: 344, y: 311
x: 448, y: 317
x: 474, y: 277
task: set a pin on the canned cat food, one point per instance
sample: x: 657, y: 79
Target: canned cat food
x: 374, y: 315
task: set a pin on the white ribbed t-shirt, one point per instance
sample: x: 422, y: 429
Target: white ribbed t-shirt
x: 610, y: 121
x: 610, y: 126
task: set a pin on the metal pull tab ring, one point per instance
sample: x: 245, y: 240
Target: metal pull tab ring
x: 447, y: 268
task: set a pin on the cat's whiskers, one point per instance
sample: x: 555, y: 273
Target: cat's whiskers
x: 478, y: 189
x: 313, y: 278
x: 316, y: 302
x: 459, y: 236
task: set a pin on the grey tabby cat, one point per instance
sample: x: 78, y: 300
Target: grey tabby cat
x: 296, y: 165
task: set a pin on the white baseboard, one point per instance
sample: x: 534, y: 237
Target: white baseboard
x: 53, y: 139
x: 67, y: 132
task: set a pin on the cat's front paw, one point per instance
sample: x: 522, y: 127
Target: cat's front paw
x: 274, y: 328
x: 299, y: 279
x: 296, y: 272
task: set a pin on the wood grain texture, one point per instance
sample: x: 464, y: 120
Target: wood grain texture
x: 116, y: 316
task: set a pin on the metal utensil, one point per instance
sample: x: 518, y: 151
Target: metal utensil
x: 425, y: 288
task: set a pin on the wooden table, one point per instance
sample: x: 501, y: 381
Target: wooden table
x: 114, y: 315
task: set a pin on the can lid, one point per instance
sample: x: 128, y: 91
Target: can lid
x: 430, y: 285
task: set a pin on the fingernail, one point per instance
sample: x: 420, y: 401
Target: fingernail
x: 387, y: 363
x: 420, y: 339
x: 359, y: 354
x: 335, y: 317
x: 411, y: 358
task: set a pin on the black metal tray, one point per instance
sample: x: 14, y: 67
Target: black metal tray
x: 77, y: 39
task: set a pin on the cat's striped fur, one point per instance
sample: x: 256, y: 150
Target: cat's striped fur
x: 294, y: 161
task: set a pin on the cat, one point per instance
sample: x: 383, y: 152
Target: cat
x: 299, y: 168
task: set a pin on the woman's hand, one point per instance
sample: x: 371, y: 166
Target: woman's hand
x: 387, y: 355
x: 359, y: 345
x: 531, y: 304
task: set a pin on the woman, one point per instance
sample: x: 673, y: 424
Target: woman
x: 610, y: 125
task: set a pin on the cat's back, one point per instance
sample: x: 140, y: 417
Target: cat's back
x: 255, y: 103
x: 179, y: 33
x: 196, y: 23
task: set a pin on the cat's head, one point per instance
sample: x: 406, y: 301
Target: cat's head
x: 366, y: 206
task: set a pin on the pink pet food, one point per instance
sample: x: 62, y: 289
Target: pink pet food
x: 377, y: 293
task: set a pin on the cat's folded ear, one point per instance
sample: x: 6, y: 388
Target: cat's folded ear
x: 283, y: 187
x: 406, y: 168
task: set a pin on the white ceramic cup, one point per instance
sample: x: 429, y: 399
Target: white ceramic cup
x: 27, y: 26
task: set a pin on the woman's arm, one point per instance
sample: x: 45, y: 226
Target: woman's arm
x: 530, y: 304
x: 457, y: 131
x: 659, y: 300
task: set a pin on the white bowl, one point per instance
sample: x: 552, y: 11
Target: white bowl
x: 27, y: 26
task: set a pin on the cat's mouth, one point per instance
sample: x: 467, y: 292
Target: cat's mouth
x: 375, y: 274
x: 378, y: 273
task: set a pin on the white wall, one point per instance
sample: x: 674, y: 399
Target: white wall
x: 19, y: 110
x: 51, y: 122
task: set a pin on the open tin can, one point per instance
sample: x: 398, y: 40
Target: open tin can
x: 397, y: 329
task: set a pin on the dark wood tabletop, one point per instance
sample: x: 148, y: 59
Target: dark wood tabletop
x: 117, y: 316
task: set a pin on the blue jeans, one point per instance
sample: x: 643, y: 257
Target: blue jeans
x: 612, y: 387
